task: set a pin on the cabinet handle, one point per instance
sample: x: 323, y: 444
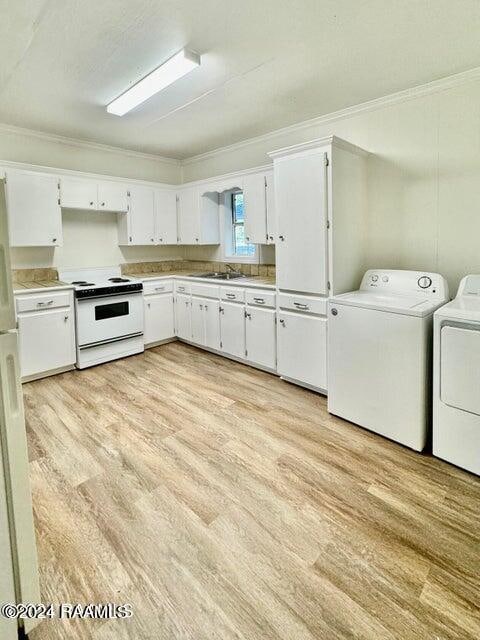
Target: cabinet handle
x: 196, y: 239
x: 65, y: 318
x: 248, y: 315
x: 44, y: 304
x: 247, y: 238
x: 103, y: 204
x: 201, y: 307
x: 160, y: 288
x: 259, y: 300
x: 232, y: 296
x: 148, y: 305
x: 206, y: 307
x: 152, y: 239
x: 160, y: 239
x: 271, y: 238
x: 130, y: 238
x: 299, y: 305
x: 220, y: 309
x: 282, y: 238
x: 282, y: 322
x: 91, y: 203
x: 54, y: 239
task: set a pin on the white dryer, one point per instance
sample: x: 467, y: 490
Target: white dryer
x: 456, y: 382
x: 379, y: 353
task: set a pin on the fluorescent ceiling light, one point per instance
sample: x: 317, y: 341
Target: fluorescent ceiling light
x: 173, y: 69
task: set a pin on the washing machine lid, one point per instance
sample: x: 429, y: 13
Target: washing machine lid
x: 459, y: 367
x: 417, y: 306
x: 461, y: 308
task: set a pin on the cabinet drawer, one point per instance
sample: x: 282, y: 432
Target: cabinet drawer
x: 182, y: 287
x: 205, y: 290
x: 308, y: 304
x: 233, y: 294
x: 260, y: 298
x: 39, y: 301
x: 157, y: 286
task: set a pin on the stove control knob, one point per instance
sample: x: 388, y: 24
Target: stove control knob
x: 385, y: 279
x: 424, y: 282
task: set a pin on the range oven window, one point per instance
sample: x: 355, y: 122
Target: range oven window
x: 111, y: 310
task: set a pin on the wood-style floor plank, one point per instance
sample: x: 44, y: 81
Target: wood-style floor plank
x: 224, y: 503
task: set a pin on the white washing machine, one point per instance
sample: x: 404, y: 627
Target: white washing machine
x: 456, y: 380
x: 379, y: 353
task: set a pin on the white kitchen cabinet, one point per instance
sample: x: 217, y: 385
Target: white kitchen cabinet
x: 159, y: 318
x: 78, y: 193
x: 87, y: 193
x: 321, y: 216
x: 206, y: 322
x: 113, y: 196
x: 34, y: 214
x: 212, y: 323
x: 302, y: 348
x: 260, y: 336
x: 232, y: 328
x: 183, y: 316
x: 259, y: 208
x: 198, y: 217
x: 46, y: 341
x: 301, y: 251
x: 137, y: 227
x: 166, y: 231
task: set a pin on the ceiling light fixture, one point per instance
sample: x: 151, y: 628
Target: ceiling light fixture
x: 173, y: 69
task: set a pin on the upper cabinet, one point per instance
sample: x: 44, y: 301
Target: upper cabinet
x: 198, y: 217
x: 151, y: 218
x: 85, y: 193
x: 165, y: 216
x: 259, y: 201
x: 33, y: 204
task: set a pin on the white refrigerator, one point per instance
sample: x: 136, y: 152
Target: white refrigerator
x: 18, y: 553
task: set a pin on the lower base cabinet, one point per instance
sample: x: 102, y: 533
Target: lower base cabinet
x: 183, y: 316
x: 232, y: 328
x: 46, y: 341
x: 302, y: 348
x: 206, y: 323
x: 159, y: 318
x: 260, y: 337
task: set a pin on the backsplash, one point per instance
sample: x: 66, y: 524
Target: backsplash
x: 34, y: 275
x: 132, y: 268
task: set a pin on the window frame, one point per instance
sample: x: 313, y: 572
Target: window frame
x: 228, y: 231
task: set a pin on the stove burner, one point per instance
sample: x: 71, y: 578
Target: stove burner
x: 79, y: 282
x: 118, y: 280
x: 84, y: 283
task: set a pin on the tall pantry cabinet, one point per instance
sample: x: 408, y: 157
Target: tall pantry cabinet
x: 321, y: 207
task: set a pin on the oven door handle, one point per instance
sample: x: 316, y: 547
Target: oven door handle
x: 110, y: 295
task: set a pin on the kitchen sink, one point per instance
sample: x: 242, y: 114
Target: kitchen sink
x: 219, y: 275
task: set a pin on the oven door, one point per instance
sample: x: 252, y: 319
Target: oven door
x: 109, y: 318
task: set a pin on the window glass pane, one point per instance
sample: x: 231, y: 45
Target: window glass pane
x: 240, y: 246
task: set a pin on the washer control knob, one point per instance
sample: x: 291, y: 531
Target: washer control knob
x: 374, y: 278
x: 424, y: 282
x: 385, y: 279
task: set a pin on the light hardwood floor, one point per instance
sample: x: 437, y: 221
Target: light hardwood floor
x: 224, y: 503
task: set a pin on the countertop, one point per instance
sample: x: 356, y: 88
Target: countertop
x: 40, y: 286
x: 264, y: 282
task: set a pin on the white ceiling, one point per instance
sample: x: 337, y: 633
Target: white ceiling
x: 265, y: 63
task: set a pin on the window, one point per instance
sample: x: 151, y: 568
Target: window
x: 240, y: 247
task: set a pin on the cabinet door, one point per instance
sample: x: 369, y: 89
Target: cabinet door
x: 141, y: 216
x: 300, y: 201
x: 47, y: 341
x: 271, y: 213
x: 78, y: 194
x: 188, y: 216
x: 261, y: 340
x: 254, y: 198
x: 159, y: 318
x: 212, y: 324
x: 166, y: 231
x: 34, y: 215
x: 183, y: 316
x: 302, y: 348
x: 232, y: 328
x: 198, y: 321
x: 112, y: 196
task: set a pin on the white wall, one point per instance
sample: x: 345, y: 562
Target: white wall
x: 89, y: 239
x: 424, y: 177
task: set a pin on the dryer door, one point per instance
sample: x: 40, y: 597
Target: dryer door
x: 460, y: 368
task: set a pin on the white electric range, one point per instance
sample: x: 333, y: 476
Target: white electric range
x: 108, y: 313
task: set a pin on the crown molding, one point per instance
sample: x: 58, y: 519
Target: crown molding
x: 418, y: 91
x: 85, y: 144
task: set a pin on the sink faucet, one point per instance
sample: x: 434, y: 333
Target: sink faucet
x: 229, y: 266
